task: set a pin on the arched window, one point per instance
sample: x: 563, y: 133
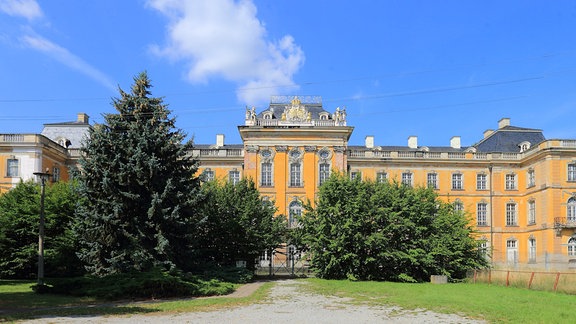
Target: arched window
x: 572, y: 246
x: 571, y: 210
x: 295, y: 211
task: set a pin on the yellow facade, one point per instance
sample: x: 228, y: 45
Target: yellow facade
x: 56, y: 150
x: 517, y: 187
x: 520, y: 197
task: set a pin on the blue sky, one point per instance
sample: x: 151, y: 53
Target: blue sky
x: 434, y: 69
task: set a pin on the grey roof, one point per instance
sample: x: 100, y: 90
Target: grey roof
x: 508, y: 138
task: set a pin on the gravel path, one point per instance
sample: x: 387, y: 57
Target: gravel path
x: 287, y: 303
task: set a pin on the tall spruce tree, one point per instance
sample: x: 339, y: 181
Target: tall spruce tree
x: 140, y: 188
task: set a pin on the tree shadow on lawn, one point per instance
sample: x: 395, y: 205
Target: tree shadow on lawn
x: 28, y: 305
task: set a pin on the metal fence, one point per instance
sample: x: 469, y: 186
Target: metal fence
x: 564, y: 282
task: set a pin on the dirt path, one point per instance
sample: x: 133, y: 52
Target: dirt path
x: 287, y: 303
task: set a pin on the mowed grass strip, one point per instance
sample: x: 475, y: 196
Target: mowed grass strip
x: 18, y: 301
x: 479, y: 301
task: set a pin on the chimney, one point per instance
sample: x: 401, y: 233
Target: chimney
x: 83, y: 118
x: 503, y: 122
x: 455, y: 142
x: 488, y: 132
x: 413, y: 142
x: 369, y: 141
x: 220, y: 140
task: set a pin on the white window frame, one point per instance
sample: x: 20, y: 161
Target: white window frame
x: 531, y: 212
x: 407, y: 178
x: 355, y: 175
x: 432, y: 180
x: 208, y: 175
x: 532, y: 250
x: 571, y: 171
x: 234, y: 176
x: 323, y: 172
x: 266, y: 174
x: 531, y: 178
x: 458, y: 205
x: 511, y: 181
x: 294, y: 211
x: 512, y: 251
x: 481, y: 181
x: 457, y: 181
x: 381, y: 177
x: 482, y: 214
x: 511, y: 214
x: 572, y: 246
x: 571, y: 210
x: 296, y: 174
x: 55, y: 174
x: 12, y: 167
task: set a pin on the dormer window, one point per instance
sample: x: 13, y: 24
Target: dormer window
x: 267, y: 115
x: 524, y: 146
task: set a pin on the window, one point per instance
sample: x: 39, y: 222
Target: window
x: 12, y: 168
x: 381, y: 177
x: 457, y: 181
x: 324, y: 173
x: 55, y: 174
x: 481, y: 181
x: 512, y: 251
x: 511, y: 216
x: 482, y: 214
x: 266, y: 175
x: 572, y: 246
x: 483, y: 248
x: 532, y: 250
x: 531, y: 212
x: 432, y: 180
x: 572, y: 172
x: 407, y: 178
x: 571, y: 210
x: 234, y: 177
x: 531, y: 178
x: 295, y: 174
x: 356, y: 175
x: 511, y: 181
x: 295, y: 211
x: 208, y: 175
x: 458, y: 205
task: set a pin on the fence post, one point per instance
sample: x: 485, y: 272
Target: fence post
x: 490, y: 276
x: 530, y: 282
x: 475, y: 274
x: 507, y: 278
x: 556, y: 282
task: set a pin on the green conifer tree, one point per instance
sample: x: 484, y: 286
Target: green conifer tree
x: 140, y: 188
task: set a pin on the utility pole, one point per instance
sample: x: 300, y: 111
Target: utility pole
x: 43, y: 177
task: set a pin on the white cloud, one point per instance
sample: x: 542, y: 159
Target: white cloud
x: 28, y: 9
x: 65, y: 57
x: 225, y: 38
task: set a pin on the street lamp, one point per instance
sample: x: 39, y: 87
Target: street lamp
x: 43, y: 176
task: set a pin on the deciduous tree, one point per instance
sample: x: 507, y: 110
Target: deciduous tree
x: 386, y: 231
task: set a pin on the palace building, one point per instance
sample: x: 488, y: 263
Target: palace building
x: 518, y: 188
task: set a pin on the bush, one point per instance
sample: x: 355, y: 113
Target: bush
x: 138, y: 285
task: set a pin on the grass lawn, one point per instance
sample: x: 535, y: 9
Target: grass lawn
x: 480, y: 301
x: 18, y: 301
